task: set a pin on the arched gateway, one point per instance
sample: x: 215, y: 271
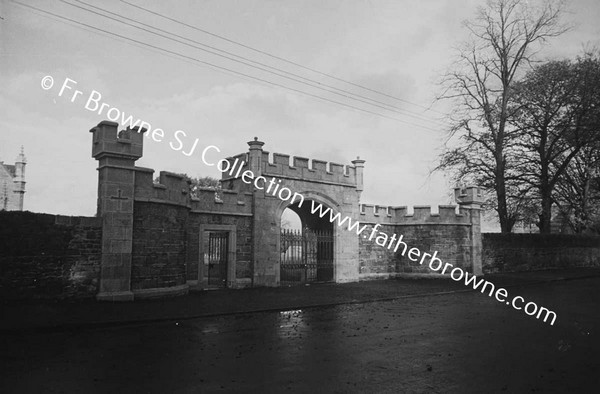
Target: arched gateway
x: 319, y: 251
x: 160, y: 238
x: 307, y: 253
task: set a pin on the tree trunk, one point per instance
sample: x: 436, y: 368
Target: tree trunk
x: 506, y: 223
x: 545, y: 197
x: 545, y: 224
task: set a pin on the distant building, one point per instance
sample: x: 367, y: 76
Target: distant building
x: 12, y: 184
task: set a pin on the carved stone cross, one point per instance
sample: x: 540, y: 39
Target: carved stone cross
x: 120, y: 198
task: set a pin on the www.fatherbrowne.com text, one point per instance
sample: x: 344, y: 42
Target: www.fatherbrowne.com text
x: 393, y: 242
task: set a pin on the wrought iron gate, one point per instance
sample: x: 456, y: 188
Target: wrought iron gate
x: 306, y: 256
x: 217, y: 259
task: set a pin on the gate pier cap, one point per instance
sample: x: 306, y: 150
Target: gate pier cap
x: 255, y: 156
x: 359, y: 165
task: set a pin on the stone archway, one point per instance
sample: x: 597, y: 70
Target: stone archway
x: 286, y: 180
x: 307, y: 254
x: 290, y: 220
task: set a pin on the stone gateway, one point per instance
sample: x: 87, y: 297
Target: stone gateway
x: 158, y: 239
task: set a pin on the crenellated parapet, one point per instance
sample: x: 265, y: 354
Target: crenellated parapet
x: 471, y: 196
x: 307, y: 169
x: 171, y: 189
x: 393, y: 215
x: 280, y: 165
x: 468, y: 198
x: 174, y: 189
x: 114, y: 147
x: 235, y: 167
x: 454, y: 232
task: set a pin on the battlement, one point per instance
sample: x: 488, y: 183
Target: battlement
x: 467, y: 198
x: 307, y: 169
x: 281, y: 165
x: 172, y: 188
x: 447, y: 214
x: 237, y: 165
x: 109, y: 142
x: 299, y: 167
x: 175, y: 189
x: 470, y: 195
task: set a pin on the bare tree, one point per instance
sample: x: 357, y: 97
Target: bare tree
x: 578, y: 191
x: 505, y: 36
x: 558, y: 118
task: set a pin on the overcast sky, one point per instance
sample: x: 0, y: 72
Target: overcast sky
x: 399, y: 48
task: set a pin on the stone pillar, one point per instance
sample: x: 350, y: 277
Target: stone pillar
x: 116, y: 154
x: 259, y: 250
x: 360, y: 166
x: 255, y: 156
x: 347, y: 246
x: 470, y: 199
x: 20, y: 179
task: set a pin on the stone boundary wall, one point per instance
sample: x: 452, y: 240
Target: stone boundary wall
x: 165, y: 250
x: 46, y: 256
x: 531, y: 252
x: 173, y: 189
x: 158, y: 257
x: 449, y: 233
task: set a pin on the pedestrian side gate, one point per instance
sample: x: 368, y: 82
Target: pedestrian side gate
x: 217, y: 259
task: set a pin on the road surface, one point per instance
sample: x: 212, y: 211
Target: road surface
x: 458, y: 343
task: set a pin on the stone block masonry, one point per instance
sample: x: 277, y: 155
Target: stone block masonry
x: 532, y: 252
x: 155, y: 233
x: 116, y: 153
x: 157, y: 239
x: 159, y: 246
x: 49, y: 257
x: 332, y: 185
x: 456, y: 236
x: 150, y: 239
x: 152, y: 231
x: 453, y: 243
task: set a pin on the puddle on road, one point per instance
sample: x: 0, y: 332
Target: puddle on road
x: 290, y: 320
x: 211, y: 329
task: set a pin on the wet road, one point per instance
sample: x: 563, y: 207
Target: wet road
x: 464, y: 342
